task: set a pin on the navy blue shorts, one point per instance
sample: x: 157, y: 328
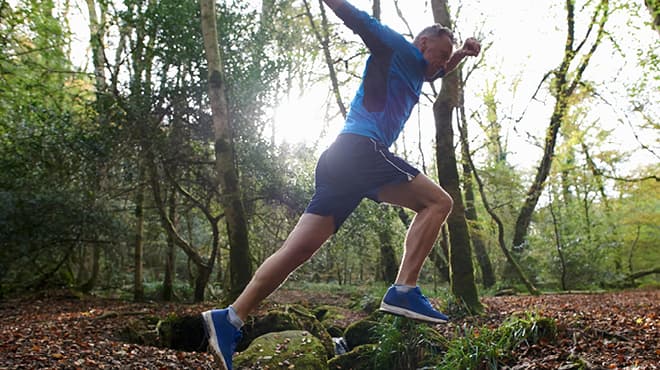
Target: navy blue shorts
x: 352, y: 168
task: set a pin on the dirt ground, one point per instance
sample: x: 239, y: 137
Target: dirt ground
x: 58, y: 331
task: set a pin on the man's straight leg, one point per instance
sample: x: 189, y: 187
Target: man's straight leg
x: 223, y: 326
x: 305, y: 239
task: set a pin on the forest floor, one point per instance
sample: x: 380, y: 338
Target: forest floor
x: 618, y: 330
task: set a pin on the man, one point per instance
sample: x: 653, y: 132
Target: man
x: 358, y: 165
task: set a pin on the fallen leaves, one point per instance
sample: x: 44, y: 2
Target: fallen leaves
x: 600, y: 331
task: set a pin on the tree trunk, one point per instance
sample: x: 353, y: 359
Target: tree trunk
x: 460, y: 251
x: 563, y: 88
x: 487, y: 274
x: 324, y: 40
x: 388, y: 267
x: 97, y: 34
x: 376, y: 9
x: 204, y: 268
x: 559, y: 246
x: 240, y: 268
x: 170, y: 276
x: 440, y: 262
x: 138, y: 286
x: 500, y: 234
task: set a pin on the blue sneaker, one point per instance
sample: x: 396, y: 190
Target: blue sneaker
x: 412, y: 304
x: 223, y: 336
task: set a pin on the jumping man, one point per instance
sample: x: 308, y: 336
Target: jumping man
x: 359, y: 165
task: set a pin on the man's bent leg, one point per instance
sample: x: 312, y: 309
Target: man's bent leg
x: 432, y: 205
x: 305, y: 239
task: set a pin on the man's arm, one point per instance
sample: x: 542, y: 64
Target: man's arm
x: 334, y: 4
x: 471, y: 48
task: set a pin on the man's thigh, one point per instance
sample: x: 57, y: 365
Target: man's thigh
x: 416, y: 195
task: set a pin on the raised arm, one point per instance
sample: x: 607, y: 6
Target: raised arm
x: 334, y: 4
x: 471, y: 48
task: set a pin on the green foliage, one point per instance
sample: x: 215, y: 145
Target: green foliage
x: 485, y: 348
x: 49, y: 148
x: 405, y: 344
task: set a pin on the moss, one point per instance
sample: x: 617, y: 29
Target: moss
x: 359, y: 358
x: 332, y: 318
x: 291, y: 317
x: 295, y: 349
x: 361, y: 332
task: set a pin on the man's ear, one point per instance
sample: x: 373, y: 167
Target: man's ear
x: 422, y: 43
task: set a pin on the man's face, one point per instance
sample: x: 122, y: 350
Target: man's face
x: 436, y: 51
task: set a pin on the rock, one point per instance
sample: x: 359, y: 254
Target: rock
x: 333, y: 319
x: 291, y: 317
x: 291, y: 349
x: 359, y: 358
x: 361, y: 332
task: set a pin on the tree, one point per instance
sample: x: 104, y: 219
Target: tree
x: 565, y: 82
x: 460, y: 251
x: 240, y: 267
x: 48, y: 147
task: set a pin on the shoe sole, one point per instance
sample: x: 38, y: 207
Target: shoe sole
x: 399, y: 311
x: 214, y: 346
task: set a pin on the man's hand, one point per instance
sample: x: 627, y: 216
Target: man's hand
x: 471, y: 47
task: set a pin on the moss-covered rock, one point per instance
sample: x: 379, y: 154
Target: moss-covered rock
x: 361, y: 332
x: 329, y: 313
x: 291, y: 349
x: 183, y: 333
x: 359, y: 358
x: 290, y: 317
x: 333, y: 319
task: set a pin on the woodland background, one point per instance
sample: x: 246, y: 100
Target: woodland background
x: 147, y: 162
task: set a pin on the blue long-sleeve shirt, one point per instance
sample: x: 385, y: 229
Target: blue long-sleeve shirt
x: 391, y: 82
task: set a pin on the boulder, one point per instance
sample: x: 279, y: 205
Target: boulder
x: 361, y: 332
x: 291, y: 349
x: 290, y: 317
x: 359, y: 358
x: 333, y: 319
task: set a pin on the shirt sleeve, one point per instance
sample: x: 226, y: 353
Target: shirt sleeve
x: 378, y: 38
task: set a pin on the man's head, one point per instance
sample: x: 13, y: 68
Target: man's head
x: 436, y: 44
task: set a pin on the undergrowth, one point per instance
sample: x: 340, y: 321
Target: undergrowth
x: 405, y: 344
x: 485, y: 348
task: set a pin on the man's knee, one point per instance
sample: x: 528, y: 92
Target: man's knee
x: 442, y: 203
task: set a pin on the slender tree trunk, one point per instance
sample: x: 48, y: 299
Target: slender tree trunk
x: 487, y: 273
x: 323, y: 37
x: 460, y: 251
x: 97, y: 34
x: 558, y: 243
x: 138, y: 286
x: 204, y: 268
x: 168, y: 280
x: 240, y: 268
x: 376, y: 9
x: 563, y: 89
x: 388, y: 263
